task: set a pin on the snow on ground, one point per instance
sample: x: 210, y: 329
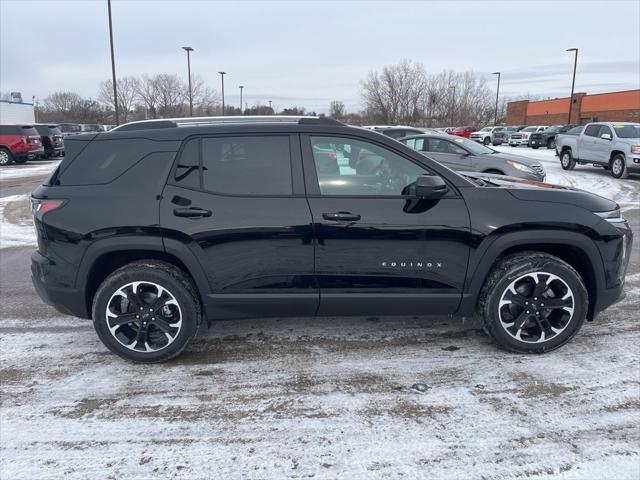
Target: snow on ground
x: 27, y: 169
x: 16, y: 225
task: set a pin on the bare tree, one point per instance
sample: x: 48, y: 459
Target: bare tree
x: 71, y: 107
x: 205, y: 100
x: 127, y: 88
x: 337, y: 110
x: 147, y: 92
x: 396, y: 95
x: 171, y: 94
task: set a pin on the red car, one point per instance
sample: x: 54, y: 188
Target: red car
x: 19, y: 143
x: 463, y: 131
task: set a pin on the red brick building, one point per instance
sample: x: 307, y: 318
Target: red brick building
x: 603, y: 107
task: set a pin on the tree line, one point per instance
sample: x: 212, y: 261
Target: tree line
x: 398, y: 94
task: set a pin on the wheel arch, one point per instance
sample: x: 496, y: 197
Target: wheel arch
x: 616, y: 152
x: 106, y: 256
x: 574, y: 248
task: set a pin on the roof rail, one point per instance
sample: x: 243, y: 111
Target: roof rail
x: 198, y: 121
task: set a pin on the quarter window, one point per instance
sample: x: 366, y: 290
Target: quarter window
x: 354, y: 167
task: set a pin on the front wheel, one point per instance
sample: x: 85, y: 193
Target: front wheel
x: 618, y: 167
x: 533, y: 302
x: 5, y: 157
x: 486, y: 141
x: 567, y: 161
x: 146, y: 311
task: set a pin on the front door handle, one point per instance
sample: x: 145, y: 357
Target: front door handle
x: 192, y: 212
x: 341, y: 217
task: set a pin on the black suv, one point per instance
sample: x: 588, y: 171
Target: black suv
x: 51, y: 138
x: 547, y: 138
x: 153, y: 226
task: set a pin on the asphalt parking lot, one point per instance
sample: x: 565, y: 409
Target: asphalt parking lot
x: 315, y: 398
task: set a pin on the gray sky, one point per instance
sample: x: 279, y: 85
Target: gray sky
x: 309, y: 53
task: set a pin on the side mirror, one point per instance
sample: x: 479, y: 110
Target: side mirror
x: 606, y: 136
x: 430, y: 187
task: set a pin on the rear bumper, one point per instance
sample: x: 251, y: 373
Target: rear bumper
x: 68, y: 301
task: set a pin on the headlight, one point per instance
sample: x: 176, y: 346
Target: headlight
x: 520, y: 166
x: 635, y: 148
x: 612, y: 216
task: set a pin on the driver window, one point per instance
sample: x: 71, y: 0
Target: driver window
x: 353, y: 167
x: 604, y: 129
x: 437, y: 145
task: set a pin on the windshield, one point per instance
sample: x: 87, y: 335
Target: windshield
x: 530, y: 129
x: 486, y: 129
x: 554, y: 129
x: 627, y: 131
x: 474, y: 147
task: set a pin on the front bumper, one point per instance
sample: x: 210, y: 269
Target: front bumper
x: 518, y: 141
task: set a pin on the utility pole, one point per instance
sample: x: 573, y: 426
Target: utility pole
x: 573, y: 82
x: 495, y: 120
x: 222, y: 74
x: 453, y: 104
x: 189, y: 50
x: 113, y: 66
x: 241, y: 111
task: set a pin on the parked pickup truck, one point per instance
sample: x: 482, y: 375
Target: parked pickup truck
x: 522, y: 137
x: 485, y: 135
x: 614, y: 146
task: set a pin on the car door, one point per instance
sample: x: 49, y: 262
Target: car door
x: 238, y: 204
x: 379, y: 249
x: 448, y: 153
x: 602, y: 146
x: 587, y: 150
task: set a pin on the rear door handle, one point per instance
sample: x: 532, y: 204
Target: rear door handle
x: 341, y: 217
x: 192, y: 212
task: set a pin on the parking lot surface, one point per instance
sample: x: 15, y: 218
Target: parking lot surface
x: 316, y: 397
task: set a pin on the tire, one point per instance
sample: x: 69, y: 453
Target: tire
x: 5, y: 157
x: 551, y: 144
x: 618, y: 166
x: 486, y: 141
x: 133, y: 294
x: 535, y: 148
x: 567, y: 162
x: 539, y: 279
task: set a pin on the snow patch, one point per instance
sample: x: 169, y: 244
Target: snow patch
x: 15, y: 234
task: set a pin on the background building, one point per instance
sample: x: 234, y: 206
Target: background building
x: 16, y: 111
x: 616, y: 107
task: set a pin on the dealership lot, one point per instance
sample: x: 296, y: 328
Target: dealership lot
x: 349, y: 397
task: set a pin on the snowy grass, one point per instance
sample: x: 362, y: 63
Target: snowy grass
x: 21, y: 231
x: 28, y: 169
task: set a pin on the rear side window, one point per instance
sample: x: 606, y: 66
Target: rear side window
x: 102, y: 161
x: 252, y: 165
x: 592, y: 130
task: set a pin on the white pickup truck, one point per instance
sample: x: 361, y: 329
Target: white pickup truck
x: 612, y: 145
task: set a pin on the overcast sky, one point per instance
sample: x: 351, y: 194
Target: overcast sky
x: 309, y: 53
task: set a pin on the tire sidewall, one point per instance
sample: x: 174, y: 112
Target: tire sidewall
x: 566, y: 154
x: 187, y: 303
x: 623, y: 165
x: 6, y: 156
x: 548, y: 266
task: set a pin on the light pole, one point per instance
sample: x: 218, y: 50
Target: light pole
x: 241, y: 111
x: 453, y: 104
x: 222, y: 74
x: 113, y: 67
x: 189, y: 50
x: 270, y: 106
x: 495, y: 120
x: 573, y: 82
x: 35, y: 108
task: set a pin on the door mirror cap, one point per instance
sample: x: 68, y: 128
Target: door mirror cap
x: 606, y: 136
x: 430, y: 187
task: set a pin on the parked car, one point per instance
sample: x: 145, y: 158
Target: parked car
x: 463, y: 131
x: 503, y: 135
x: 51, y: 139
x: 69, y: 129
x: 561, y: 136
x: 19, y: 143
x: 485, y: 135
x: 612, y: 145
x: 522, y: 137
x: 468, y: 156
x: 400, y: 131
x: 91, y: 128
x: 547, y: 137
x: 244, y: 226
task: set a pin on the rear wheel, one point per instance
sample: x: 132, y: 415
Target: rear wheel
x: 567, y: 161
x: 533, y: 302
x: 618, y: 167
x: 5, y: 157
x: 20, y: 160
x: 146, y: 312
x: 487, y: 141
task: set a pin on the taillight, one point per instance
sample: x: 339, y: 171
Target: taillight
x: 41, y: 206
x: 25, y: 139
